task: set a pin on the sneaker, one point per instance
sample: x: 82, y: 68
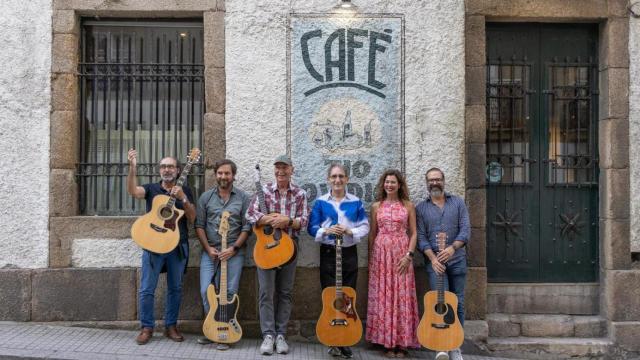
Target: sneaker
x: 281, y: 345
x: 346, y: 352
x: 334, y: 351
x: 455, y: 354
x: 204, y: 340
x: 267, y: 345
x: 221, y: 346
x: 442, y: 356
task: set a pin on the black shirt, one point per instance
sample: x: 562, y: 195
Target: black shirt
x: 153, y: 189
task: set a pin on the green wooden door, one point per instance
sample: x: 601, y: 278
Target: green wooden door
x: 542, y: 170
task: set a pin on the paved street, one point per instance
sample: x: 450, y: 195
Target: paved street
x: 38, y: 341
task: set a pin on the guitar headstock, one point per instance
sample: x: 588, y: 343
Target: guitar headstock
x: 441, y: 238
x: 256, y: 173
x: 194, y: 156
x: 224, y: 223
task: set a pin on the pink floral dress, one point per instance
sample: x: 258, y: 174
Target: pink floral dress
x: 392, y: 314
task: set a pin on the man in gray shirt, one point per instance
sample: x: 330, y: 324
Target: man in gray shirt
x: 211, y: 205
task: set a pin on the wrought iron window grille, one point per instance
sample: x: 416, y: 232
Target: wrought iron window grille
x: 141, y: 86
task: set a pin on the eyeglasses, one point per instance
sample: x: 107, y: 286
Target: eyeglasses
x: 436, y: 180
x: 167, y: 166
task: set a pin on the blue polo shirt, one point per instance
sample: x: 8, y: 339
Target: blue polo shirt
x: 153, y: 189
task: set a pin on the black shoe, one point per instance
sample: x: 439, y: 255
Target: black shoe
x: 346, y: 352
x: 334, y: 351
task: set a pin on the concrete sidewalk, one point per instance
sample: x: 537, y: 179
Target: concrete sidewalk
x: 41, y: 341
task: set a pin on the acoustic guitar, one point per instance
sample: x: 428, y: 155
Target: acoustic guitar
x: 339, y: 324
x: 221, y: 324
x: 440, y: 328
x: 157, y: 230
x: 274, y: 247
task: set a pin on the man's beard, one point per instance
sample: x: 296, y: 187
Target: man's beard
x: 168, y: 178
x: 224, y: 184
x: 435, y: 190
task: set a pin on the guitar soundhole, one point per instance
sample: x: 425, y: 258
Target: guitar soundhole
x: 267, y: 230
x: 441, y: 309
x: 338, y: 304
x: 166, y: 213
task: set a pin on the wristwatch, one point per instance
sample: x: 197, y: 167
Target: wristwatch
x: 410, y: 253
x: 236, y: 248
x: 290, y: 222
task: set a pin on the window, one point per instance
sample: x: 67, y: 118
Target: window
x: 142, y: 87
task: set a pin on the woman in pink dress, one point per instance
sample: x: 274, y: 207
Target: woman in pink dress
x: 392, y: 314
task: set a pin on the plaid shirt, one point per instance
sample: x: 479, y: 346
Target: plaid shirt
x: 293, y: 204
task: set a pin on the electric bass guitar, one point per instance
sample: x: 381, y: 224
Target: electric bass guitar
x: 440, y: 328
x: 339, y: 324
x: 157, y: 230
x: 221, y: 325
x: 274, y: 247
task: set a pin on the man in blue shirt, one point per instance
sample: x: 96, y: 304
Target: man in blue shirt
x: 174, y: 261
x: 442, y: 213
x: 225, y: 196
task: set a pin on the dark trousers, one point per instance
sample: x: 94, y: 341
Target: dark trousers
x: 328, y: 266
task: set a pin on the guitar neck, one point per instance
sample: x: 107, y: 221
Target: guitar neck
x: 440, y: 287
x: 338, y: 265
x: 180, y: 182
x: 223, y: 273
x: 262, y: 203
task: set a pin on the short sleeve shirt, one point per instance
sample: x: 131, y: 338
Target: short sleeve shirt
x: 153, y: 189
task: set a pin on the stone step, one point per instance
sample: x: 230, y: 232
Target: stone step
x: 550, y: 348
x: 556, y: 298
x: 528, y: 325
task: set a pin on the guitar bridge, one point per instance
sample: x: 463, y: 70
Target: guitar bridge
x: 440, y: 326
x: 271, y: 245
x: 158, y: 228
x: 339, y: 322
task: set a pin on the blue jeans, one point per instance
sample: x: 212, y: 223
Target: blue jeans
x: 454, y: 280
x: 152, y: 263
x: 210, y: 269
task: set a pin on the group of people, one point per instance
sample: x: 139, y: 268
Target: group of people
x: 394, y: 230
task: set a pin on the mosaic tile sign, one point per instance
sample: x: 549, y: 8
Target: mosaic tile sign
x: 346, y: 99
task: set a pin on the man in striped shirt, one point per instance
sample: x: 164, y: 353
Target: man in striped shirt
x: 287, y: 209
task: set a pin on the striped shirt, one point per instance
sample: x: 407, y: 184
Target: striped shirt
x: 453, y: 219
x: 292, y: 204
x: 348, y: 212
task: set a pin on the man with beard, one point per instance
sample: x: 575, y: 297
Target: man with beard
x: 442, y: 212
x: 175, y: 261
x: 211, y: 205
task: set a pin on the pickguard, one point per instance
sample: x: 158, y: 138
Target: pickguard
x: 348, y: 309
x: 171, y: 223
x: 450, y: 316
x: 225, y: 313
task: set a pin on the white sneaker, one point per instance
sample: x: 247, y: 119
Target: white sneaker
x: 281, y: 345
x: 442, y: 356
x: 455, y: 354
x: 267, y: 345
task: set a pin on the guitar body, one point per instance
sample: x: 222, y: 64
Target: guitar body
x: 157, y: 230
x: 273, y: 247
x: 221, y: 325
x: 440, y: 328
x: 336, y: 327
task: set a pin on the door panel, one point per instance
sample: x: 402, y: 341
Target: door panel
x: 541, y: 152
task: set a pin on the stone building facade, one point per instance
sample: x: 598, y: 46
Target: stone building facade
x: 67, y: 262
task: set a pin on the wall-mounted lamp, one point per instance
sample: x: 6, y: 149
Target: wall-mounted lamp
x: 345, y: 6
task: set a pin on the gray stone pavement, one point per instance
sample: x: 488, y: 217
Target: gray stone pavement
x: 41, y: 341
